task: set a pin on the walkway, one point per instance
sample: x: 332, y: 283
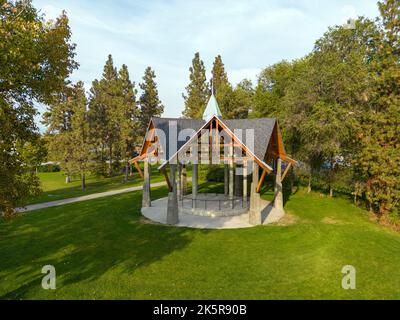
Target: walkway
x: 55, y: 203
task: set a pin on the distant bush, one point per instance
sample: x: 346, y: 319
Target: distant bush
x: 49, y: 168
x: 215, y: 173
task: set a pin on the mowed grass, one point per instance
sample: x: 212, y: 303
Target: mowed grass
x: 54, y: 187
x: 104, y: 249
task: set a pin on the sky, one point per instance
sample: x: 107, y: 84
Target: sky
x: 249, y: 35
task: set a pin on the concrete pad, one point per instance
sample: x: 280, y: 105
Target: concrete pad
x: 158, y: 213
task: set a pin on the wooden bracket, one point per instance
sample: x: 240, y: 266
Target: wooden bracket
x: 164, y: 171
x: 261, y: 180
x: 286, y: 171
x: 138, y: 169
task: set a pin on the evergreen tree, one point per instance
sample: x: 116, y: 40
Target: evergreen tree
x: 129, y: 113
x: 79, y: 134
x: 219, y: 76
x: 68, y: 132
x: 150, y: 104
x: 58, y: 119
x: 197, y: 92
x: 103, y: 113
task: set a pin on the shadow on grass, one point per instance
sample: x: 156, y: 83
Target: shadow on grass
x: 84, y: 240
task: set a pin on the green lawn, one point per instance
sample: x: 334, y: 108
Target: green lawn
x: 54, y: 186
x: 104, y: 249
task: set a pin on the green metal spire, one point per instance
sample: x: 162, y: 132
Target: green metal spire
x: 212, y: 108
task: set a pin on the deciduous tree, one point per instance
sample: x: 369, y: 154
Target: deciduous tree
x: 37, y: 58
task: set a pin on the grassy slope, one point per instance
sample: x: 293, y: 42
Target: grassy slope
x: 104, y: 249
x: 54, y: 186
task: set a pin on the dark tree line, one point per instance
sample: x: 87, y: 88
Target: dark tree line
x: 99, y: 133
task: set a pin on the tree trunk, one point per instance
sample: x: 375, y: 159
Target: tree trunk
x: 291, y: 180
x: 110, y: 162
x: 83, y: 180
x: 67, y: 178
x: 331, y: 178
x: 102, y: 160
x: 309, y: 184
x: 126, y: 171
x: 382, y: 209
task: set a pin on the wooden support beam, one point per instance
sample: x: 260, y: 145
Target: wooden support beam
x: 260, y: 182
x: 164, y: 171
x: 235, y: 159
x: 138, y: 169
x: 229, y: 145
x: 286, y: 171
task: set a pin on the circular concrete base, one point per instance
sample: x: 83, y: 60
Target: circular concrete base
x: 158, y: 213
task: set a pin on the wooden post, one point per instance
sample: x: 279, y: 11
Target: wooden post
x: 194, y: 181
x: 255, y: 174
x: 226, y: 179
x: 179, y: 182
x: 238, y: 183
x: 278, y: 202
x: 184, y: 179
x: 146, y: 198
x: 255, y: 217
x: 245, y: 181
x: 231, y: 176
x: 172, y: 210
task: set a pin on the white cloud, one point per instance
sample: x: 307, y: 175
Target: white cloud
x: 165, y: 35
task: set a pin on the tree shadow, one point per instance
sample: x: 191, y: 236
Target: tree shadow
x: 84, y: 240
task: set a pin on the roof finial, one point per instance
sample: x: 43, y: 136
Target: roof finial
x: 212, y: 108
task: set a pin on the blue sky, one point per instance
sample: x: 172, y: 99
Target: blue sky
x: 249, y: 35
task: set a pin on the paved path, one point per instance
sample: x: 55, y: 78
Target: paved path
x: 32, y: 207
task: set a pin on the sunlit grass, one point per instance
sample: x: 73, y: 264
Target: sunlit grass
x: 104, y: 249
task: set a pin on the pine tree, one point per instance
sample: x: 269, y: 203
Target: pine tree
x: 79, y: 135
x: 150, y: 104
x: 129, y: 122
x: 223, y: 90
x: 197, y: 92
x: 219, y: 75
x: 103, y: 113
x: 68, y: 132
x: 58, y: 119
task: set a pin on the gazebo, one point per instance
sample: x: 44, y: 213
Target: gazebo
x: 243, y: 146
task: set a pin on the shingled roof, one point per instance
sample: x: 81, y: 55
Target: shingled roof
x: 263, y: 129
x: 163, y: 124
x: 262, y: 132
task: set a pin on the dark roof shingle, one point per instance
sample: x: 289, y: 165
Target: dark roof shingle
x: 263, y: 129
